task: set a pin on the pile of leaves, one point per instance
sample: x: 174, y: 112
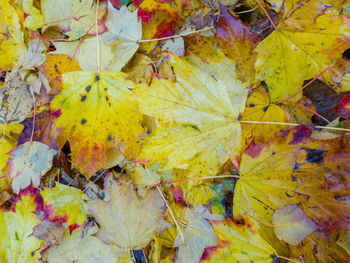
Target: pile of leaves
x: 174, y: 131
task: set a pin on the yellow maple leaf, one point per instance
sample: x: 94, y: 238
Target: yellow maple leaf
x: 202, y: 107
x: 95, y: 110
x: 289, y: 56
x: 11, y: 36
x: 16, y: 244
x: 294, y: 169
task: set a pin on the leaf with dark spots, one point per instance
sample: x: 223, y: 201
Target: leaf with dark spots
x: 315, y: 156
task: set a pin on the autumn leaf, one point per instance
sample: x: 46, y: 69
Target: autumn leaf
x: 292, y: 170
x: 198, y: 234
x: 65, y: 203
x: 29, y: 162
x: 292, y: 225
x: 80, y: 247
x: 289, y: 56
x: 239, y: 241
x: 237, y: 42
x: 191, y: 112
x: 106, y: 101
x: 54, y: 66
x: 127, y: 222
x: 11, y: 37
x: 16, y: 244
x: 124, y: 32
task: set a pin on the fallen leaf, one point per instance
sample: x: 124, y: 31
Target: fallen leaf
x: 11, y: 37
x: 239, y: 242
x: 76, y: 247
x: 124, y: 32
x: 127, y: 222
x: 198, y: 234
x: 198, y: 115
x: 288, y: 56
x: 29, y: 162
x: 16, y: 100
x: 100, y: 97
x: 292, y: 225
x: 65, y: 203
x: 16, y: 243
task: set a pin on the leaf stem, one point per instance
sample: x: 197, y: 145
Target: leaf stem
x: 296, y: 124
x: 267, y: 14
x: 307, y: 84
x: 168, y: 206
x: 194, y: 179
x: 175, y: 36
x: 314, y: 112
x: 97, y: 37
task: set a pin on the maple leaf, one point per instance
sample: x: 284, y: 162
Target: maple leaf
x: 127, y: 222
x: 198, y: 234
x: 202, y: 107
x: 124, y: 32
x: 11, y: 37
x: 16, y: 244
x: 294, y: 169
x: 239, y: 241
x: 289, y: 55
x: 77, y: 247
x: 29, y: 162
x: 89, y: 101
x: 65, y: 203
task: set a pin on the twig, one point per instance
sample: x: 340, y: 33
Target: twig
x: 291, y: 260
x: 33, y: 126
x: 169, y: 208
x: 175, y: 36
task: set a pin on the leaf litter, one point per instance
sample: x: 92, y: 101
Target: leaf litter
x: 174, y: 131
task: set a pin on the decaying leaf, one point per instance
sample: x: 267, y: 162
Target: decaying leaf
x: 16, y: 100
x: 29, y: 162
x: 127, y: 222
x: 294, y: 169
x: 292, y: 225
x: 198, y: 235
x: 77, y: 247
